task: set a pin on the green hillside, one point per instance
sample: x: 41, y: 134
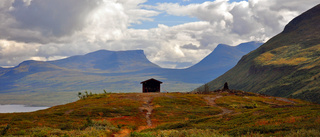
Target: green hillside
x: 288, y: 65
x: 232, y: 113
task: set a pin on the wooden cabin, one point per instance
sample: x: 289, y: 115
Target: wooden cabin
x: 151, y: 85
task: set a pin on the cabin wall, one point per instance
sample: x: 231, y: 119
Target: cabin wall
x: 150, y: 87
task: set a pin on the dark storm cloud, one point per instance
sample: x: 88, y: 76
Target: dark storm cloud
x: 52, y: 17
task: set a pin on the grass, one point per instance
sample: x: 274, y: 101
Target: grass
x: 180, y: 133
x: 173, y: 114
x: 285, y: 71
x: 214, y: 133
x: 289, y: 55
x: 74, y: 116
x: 264, y: 119
x: 179, y: 108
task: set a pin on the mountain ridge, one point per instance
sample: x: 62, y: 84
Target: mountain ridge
x: 112, y: 61
x: 287, y: 65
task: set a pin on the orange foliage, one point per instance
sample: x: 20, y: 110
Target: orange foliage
x: 311, y: 65
x: 287, y: 55
x: 292, y: 119
x: 124, y: 120
x: 277, y: 123
x: 265, y: 57
x: 294, y: 61
x: 317, y: 120
x: 262, y: 122
x: 268, y: 122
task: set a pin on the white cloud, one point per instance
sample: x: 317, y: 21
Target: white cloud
x: 12, y: 52
x: 54, y: 29
x: 242, y: 18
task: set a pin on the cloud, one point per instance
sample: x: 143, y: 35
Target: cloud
x: 242, y: 18
x: 12, y: 52
x: 43, y: 21
x: 46, y: 17
x: 54, y: 29
x: 190, y: 46
x: 59, y: 28
x: 47, y: 21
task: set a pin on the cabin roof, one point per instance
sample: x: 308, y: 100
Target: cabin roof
x: 152, y: 79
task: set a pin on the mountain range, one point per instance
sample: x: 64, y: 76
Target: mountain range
x: 288, y: 65
x: 56, y: 82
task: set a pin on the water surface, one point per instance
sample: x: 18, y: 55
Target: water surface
x: 18, y: 108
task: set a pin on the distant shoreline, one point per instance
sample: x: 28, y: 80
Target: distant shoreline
x: 15, y: 108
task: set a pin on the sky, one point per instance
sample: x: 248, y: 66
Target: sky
x: 172, y: 33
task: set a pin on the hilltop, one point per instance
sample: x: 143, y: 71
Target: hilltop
x: 56, y: 82
x: 169, y: 114
x: 288, y: 65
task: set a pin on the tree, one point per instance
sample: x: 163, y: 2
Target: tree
x: 79, y: 95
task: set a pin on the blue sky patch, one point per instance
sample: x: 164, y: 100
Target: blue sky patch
x: 169, y: 20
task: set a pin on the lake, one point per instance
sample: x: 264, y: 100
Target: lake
x: 18, y: 108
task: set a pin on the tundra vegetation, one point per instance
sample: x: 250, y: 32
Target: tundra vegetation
x: 219, y: 113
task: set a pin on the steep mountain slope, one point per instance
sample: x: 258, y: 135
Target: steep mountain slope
x: 287, y: 65
x: 225, y: 55
x: 222, y: 59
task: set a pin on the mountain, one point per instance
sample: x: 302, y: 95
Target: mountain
x: 219, y: 61
x: 56, y: 82
x: 222, y: 58
x: 225, y: 55
x: 288, y: 65
x: 169, y: 114
x: 110, y: 61
x: 3, y: 70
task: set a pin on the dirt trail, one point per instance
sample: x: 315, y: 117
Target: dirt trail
x: 286, y: 100
x: 148, y: 106
x: 211, y: 102
x: 279, y: 99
